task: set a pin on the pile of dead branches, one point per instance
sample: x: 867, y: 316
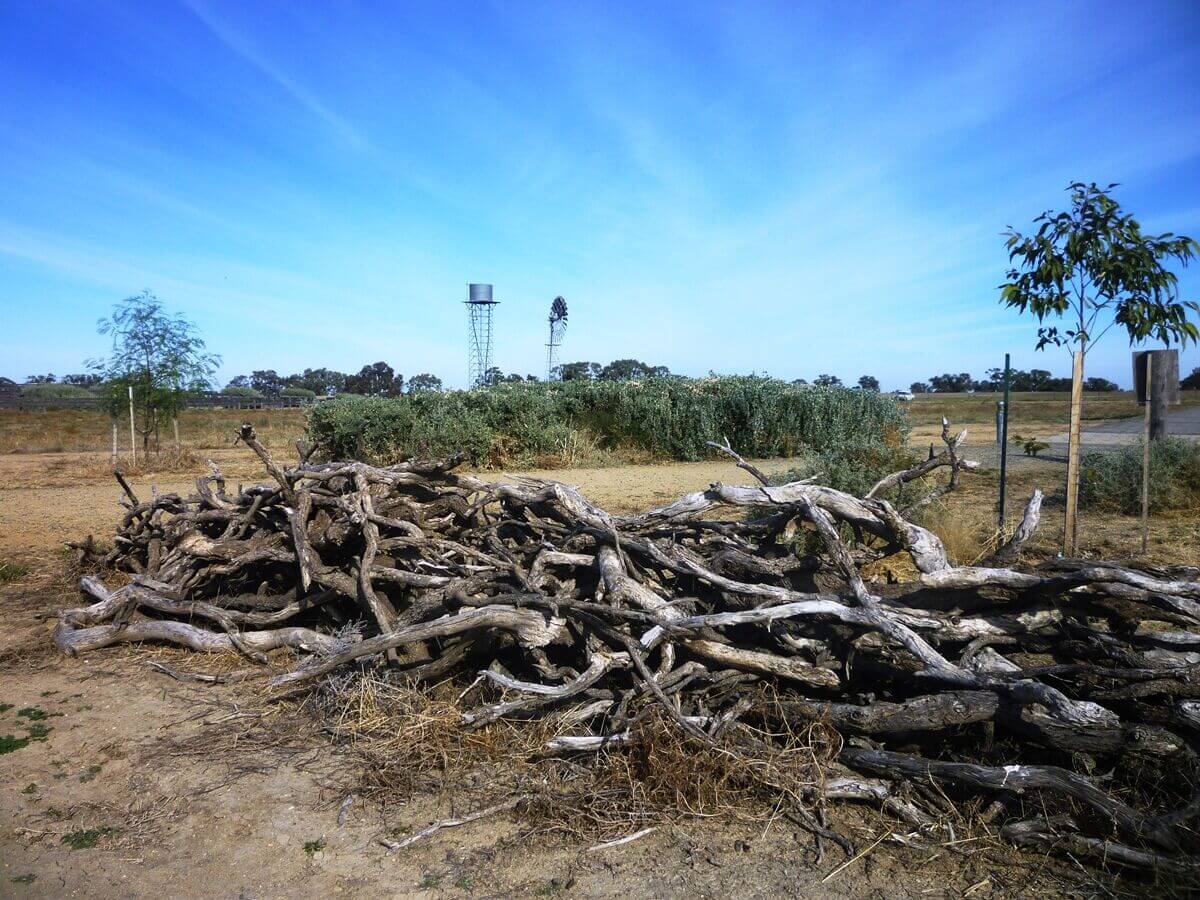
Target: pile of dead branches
x: 1075, y: 670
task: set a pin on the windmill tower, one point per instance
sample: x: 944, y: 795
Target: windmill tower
x: 558, y: 327
x: 479, y: 334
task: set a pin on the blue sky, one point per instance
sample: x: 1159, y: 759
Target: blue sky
x: 792, y: 188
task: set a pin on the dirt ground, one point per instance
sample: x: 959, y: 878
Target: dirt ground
x: 120, y: 782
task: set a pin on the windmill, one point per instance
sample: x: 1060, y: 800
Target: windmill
x: 558, y: 327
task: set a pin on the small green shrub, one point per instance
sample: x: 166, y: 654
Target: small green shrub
x: 853, y: 467
x: 1031, y: 446
x: 658, y: 418
x: 9, y: 743
x: 1112, y: 482
x: 90, y: 773
x: 87, y: 838
x: 311, y: 848
x: 10, y: 571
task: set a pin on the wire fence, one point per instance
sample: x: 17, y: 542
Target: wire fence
x: 205, y: 400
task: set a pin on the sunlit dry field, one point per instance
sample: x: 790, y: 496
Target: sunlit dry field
x: 78, y: 430
x: 42, y: 453
x: 1033, y: 414
x: 68, y: 431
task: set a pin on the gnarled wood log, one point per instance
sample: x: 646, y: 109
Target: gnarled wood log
x: 597, y: 620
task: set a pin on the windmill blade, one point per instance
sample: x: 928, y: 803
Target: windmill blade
x: 558, y: 325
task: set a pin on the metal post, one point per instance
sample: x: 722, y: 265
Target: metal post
x: 1146, y: 455
x: 132, y: 436
x: 1004, y: 439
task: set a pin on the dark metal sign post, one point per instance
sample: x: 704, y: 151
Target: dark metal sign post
x: 1004, y: 439
x: 1146, y: 454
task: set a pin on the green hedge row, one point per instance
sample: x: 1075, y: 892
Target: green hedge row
x: 54, y: 392
x: 659, y: 418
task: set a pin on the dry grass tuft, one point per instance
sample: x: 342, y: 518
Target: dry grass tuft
x: 583, y: 448
x: 969, y: 534
x: 12, y: 571
x: 409, y: 739
x: 666, y: 776
x: 34, y: 587
x: 66, y: 470
x: 167, y: 460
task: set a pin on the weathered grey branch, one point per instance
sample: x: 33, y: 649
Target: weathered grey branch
x: 593, y: 622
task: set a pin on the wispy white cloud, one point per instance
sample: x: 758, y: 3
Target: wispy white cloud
x: 246, y: 49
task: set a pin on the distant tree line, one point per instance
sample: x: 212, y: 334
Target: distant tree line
x: 864, y: 383
x: 381, y: 380
x: 1019, y: 380
x: 81, y: 380
x: 494, y: 376
x: 617, y: 370
x: 950, y: 383
x: 374, y: 380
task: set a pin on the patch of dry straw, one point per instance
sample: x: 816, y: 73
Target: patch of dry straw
x: 408, y: 739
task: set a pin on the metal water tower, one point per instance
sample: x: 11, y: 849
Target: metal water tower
x: 479, y: 311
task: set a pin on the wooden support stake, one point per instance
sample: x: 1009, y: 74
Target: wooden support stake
x: 1146, y: 455
x: 114, y: 440
x: 132, y: 433
x: 175, y: 426
x: 1070, y: 542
